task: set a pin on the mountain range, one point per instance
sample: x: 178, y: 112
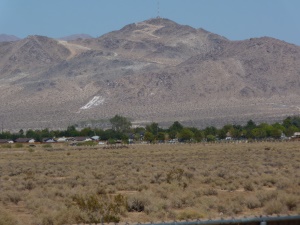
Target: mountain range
x: 155, y: 70
x: 8, y: 38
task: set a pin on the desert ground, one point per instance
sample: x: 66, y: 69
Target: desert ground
x: 61, y: 184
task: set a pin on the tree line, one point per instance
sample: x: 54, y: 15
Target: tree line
x: 121, y: 129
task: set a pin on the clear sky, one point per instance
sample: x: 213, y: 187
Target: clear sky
x: 234, y: 19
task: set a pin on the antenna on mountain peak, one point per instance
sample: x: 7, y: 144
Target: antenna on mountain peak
x: 158, y: 9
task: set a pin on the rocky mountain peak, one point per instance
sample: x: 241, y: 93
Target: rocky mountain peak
x: 154, y: 70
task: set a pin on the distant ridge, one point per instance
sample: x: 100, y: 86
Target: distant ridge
x: 75, y: 37
x: 154, y: 70
x: 8, y: 38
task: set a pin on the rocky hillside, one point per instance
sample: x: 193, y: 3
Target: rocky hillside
x: 156, y: 70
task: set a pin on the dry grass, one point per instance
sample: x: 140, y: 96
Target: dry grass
x: 41, y: 185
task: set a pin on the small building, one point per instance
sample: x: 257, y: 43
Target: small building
x: 48, y: 140
x: 61, y: 139
x: 296, y: 135
x: 24, y: 140
x: 82, y: 139
x: 64, y: 139
x: 6, y: 141
x: 95, y: 138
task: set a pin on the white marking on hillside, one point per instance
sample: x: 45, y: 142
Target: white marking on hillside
x: 96, y: 101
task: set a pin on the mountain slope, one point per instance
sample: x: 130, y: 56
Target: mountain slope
x: 8, y: 38
x: 155, y: 70
x: 75, y: 37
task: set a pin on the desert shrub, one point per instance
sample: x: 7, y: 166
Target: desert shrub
x: 137, y: 203
x: 231, y: 187
x: 13, y: 197
x: 249, y: 187
x: 7, y: 219
x: 189, y: 214
x: 291, y: 202
x: 100, y: 191
x: 175, y: 175
x: 222, y: 173
x: 189, y: 175
x: 155, y: 207
x: 157, y: 178
x: 234, y: 207
x: 176, y: 203
x: 30, y: 150
x: 19, y: 145
x: 210, y: 191
x: 198, y: 193
x: 29, y: 185
x: 252, y: 202
x: 48, y: 220
x: 87, y: 143
x: 222, y: 209
x: 101, y: 208
x: 284, y: 184
x: 274, y: 207
x: 265, y: 196
x: 6, y: 146
x: 231, y: 208
x: 70, y: 215
x: 269, y: 181
x: 47, y: 146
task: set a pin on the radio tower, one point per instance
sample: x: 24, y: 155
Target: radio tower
x: 158, y: 9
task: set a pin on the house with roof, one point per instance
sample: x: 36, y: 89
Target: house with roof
x: 6, y: 141
x: 95, y: 138
x: 48, y: 140
x: 82, y: 139
x: 296, y: 135
x: 24, y: 140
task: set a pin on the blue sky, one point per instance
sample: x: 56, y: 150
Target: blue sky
x: 234, y: 19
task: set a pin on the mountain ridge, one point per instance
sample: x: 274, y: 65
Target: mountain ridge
x: 154, y: 70
x: 8, y: 38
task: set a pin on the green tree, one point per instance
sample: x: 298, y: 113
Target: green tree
x: 259, y: 133
x: 198, y: 134
x: 87, y: 131
x: 222, y: 133
x: 278, y: 126
x: 276, y: 133
x: 210, y: 138
x: 211, y: 130
x: 153, y: 128
x: 161, y: 136
x: 120, y: 123
x: 30, y: 133
x: 287, y: 122
x: 71, y: 131
x: 186, y: 135
x: 250, y: 125
x: 236, y: 131
x: 21, y: 133
x: 176, y: 126
x: 291, y: 130
x: 268, y: 128
x: 173, y: 134
x: 149, y: 137
x: 6, y: 135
